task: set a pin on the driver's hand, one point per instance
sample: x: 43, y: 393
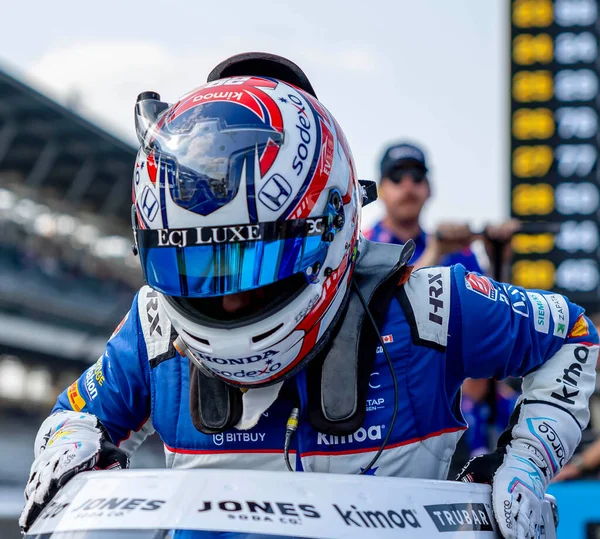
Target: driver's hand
x: 452, y: 237
x: 67, y: 443
x: 518, y: 488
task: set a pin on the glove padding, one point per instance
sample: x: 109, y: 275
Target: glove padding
x: 518, y: 483
x: 67, y: 443
x: 538, y: 442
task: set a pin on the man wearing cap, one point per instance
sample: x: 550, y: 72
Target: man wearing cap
x: 404, y: 189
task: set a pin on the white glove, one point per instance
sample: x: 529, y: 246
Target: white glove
x: 66, y: 444
x: 518, y: 487
x: 518, y: 490
x: 520, y: 471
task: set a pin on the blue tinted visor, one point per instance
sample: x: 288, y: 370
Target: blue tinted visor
x: 213, y: 261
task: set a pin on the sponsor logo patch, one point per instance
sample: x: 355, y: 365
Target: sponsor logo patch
x: 112, y: 507
x: 560, y: 314
x: 436, y: 289
x: 373, y: 433
x: 152, y: 313
x: 75, y: 399
x: 374, y: 384
x: 261, y: 510
x: 93, y: 377
x: 454, y: 517
x: 53, y: 509
x: 149, y: 204
x: 275, y: 192
x: 580, y: 328
x: 481, y: 285
x: 543, y: 430
x: 570, y: 379
x: 541, y: 312
x: 387, y: 339
x: 238, y: 437
x: 261, y: 364
x: 428, y: 292
x: 516, y: 298
x: 155, y: 326
x: 375, y: 404
x: 378, y: 519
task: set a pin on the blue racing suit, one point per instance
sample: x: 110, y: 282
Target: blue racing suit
x: 466, y: 257
x: 443, y: 325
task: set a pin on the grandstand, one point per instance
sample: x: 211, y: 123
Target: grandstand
x: 67, y: 273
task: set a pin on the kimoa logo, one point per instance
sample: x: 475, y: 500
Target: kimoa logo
x: 372, y: 433
x: 570, y: 377
x: 399, y: 518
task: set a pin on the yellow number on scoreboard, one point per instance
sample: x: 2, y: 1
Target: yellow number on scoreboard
x: 530, y: 13
x: 532, y: 243
x: 529, y: 49
x: 530, y: 86
x: 533, y: 124
x: 533, y: 199
x: 533, y: 274
x: 530, y: 161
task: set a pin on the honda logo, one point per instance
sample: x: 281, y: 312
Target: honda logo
x: 275, y: 192
x: 149, y: 204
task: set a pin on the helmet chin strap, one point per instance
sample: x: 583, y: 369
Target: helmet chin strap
x: 337, y: 378
x: 262, y: 64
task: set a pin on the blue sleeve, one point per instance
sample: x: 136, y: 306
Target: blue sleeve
x: 116, y: 388
x: 499, y: 330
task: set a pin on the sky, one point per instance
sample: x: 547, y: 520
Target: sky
x: 433, y: 72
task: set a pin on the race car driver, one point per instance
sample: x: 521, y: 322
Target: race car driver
x: 265, y: 312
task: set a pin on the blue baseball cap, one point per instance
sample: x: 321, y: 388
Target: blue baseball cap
x: 402, y: 155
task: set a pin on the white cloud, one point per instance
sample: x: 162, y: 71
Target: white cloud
x: 109, y: 75
x: 105, y: 77
x: 431, y: 72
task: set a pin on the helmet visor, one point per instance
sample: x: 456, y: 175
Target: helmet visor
x: 201, y: 159
x: 213, y: 261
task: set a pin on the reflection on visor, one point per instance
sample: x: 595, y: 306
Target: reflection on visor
x: 210, y: 261
x: 202, y: 160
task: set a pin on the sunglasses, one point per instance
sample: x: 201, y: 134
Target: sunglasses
x: 418, y: 175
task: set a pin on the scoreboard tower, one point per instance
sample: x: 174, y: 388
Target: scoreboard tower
x: 555, y: 178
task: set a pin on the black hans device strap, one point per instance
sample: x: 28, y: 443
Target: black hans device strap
x: 338, y: 383
x: 338, y: 377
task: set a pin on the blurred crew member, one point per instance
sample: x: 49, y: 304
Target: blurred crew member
x: 404, y: 189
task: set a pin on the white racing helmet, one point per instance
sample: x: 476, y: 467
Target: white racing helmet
x: 246, y: 183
